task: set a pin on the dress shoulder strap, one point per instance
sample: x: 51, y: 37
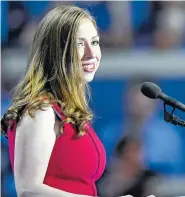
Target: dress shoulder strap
x: 58, y: 111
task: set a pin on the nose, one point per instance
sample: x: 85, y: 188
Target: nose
x: 89, y: 51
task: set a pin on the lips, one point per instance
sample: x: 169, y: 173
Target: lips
x: 89, y: 67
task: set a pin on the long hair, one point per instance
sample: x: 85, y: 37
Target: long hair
x: 54, y: 71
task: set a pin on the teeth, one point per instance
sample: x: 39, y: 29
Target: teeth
x: 90, y: 66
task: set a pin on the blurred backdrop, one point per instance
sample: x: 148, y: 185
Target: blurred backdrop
x: 141, y: 41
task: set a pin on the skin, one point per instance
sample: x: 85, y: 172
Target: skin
x: 88, y: 48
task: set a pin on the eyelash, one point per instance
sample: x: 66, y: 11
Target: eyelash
x: 80, y: 43
x: 95, y: 43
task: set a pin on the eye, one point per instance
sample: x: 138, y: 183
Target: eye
x: 95, y: 42
x: 80, y: 44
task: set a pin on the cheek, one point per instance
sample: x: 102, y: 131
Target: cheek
x: 98, y: 54
x: 80, y: 53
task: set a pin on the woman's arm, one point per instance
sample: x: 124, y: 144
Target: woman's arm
x: 42, y: 190
x: 34, y: 143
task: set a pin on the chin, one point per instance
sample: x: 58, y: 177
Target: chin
x: 88, y: 78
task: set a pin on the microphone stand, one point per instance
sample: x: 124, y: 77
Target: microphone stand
x: 169, y: 117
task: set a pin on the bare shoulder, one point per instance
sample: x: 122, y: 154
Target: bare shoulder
x: 42, y: 120
x: 45, y: 116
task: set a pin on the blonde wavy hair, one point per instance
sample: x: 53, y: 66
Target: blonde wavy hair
x: 54, y: 73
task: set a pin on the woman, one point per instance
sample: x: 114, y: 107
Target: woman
x: 53, y: 148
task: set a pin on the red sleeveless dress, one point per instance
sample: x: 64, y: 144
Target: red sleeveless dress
x: 76, y: 163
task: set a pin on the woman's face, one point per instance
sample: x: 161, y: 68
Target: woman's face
x: 88, y: 48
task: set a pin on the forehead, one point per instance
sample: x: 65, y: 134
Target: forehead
x: 86, y: 29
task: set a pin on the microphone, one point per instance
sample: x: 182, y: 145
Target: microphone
x: 153, y: 91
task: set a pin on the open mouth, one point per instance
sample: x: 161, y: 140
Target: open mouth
x: 89, y: 67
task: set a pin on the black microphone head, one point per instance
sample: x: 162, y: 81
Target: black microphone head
x: 150, y: 90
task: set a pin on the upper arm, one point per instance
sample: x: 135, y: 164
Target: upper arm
x: 35, y: 138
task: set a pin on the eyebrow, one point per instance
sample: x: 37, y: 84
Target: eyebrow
x: 81, y: 38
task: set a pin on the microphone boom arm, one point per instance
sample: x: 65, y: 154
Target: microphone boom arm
x: 170, y: 118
